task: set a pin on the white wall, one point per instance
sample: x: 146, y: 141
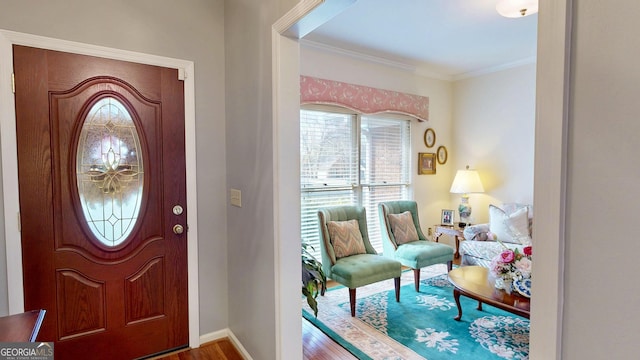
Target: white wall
x: 430, y: 191
x: 249, y: 169
x: 253, y: 314
x: 166, y: 28
x: 602, y: 300
x: 494, y: 124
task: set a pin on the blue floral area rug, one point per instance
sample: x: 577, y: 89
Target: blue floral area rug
x: 421, y: 325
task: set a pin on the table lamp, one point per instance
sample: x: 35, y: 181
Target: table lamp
x: 466, y: 182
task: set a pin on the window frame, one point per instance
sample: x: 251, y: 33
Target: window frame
x: 359, y: 187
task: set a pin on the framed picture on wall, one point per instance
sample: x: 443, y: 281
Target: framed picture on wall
x: 442, y: 155
x: 429, y: 137
x: 447, y: 217
x: 426, y: 163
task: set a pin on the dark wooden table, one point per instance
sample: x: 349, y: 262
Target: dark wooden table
x: 21, y: 327
x: 473, y: 282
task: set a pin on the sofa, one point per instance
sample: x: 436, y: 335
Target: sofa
x: 510, y: 223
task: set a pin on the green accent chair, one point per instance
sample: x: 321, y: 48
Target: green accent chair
x: 356, y: 270
x: 416, y: 254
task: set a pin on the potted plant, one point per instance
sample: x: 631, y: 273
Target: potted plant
x: 313, y: 278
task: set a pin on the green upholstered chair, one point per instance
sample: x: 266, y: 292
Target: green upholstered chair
x: 355, y: 270
x: 417, y: 253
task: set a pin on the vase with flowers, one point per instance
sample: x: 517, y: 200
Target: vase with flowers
x: 511, y: 265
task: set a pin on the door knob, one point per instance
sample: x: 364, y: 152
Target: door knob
x: 178, y: 229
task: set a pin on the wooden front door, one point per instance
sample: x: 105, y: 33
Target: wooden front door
x: 101, y: 168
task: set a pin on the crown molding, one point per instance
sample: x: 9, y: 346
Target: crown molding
x: 357, y: 55
x: 426, y: 71
x: 493, y: 69
x: 423, y: 71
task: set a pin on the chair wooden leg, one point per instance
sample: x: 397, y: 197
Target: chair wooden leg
x: 352, y: 301
x: 449, y: 265
x: 416, y: 279
x: 397, y: 281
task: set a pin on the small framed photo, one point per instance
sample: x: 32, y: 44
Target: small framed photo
x: 426, y: 163
x: 429, y: 137
x: 442, y: 155
x: 447, y: 217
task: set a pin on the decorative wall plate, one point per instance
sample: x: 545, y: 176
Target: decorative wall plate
x: 442, y: 154
x: 429, y: 137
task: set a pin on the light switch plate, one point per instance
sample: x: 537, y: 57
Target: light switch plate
x: 236, y: 197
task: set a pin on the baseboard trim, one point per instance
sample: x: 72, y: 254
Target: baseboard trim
x: 212, y: 336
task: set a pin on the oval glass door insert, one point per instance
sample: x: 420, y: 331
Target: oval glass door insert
x: 110, y: 171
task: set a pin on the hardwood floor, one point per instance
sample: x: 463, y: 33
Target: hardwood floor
x: 221, y: 349
x: 316, y: 346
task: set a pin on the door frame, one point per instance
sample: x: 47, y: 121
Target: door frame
x: 552, y: 106
x: 9, y: 158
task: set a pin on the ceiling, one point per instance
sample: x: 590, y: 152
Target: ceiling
x: 445, y: 38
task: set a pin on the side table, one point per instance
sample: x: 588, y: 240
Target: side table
x: 454, y: 231
x: 23, y: 327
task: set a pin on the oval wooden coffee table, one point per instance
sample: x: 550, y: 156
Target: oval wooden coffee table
x: 473, y: 282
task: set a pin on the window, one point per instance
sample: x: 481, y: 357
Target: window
x: 110, y: 171
x: 347, y: 158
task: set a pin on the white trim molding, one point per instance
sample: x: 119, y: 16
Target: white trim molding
x: 493, y: 69
x: 10, y: 158
x: 285, y: 50
x: 363, y: 57
x: 552, y: 104
x: 307, y: 15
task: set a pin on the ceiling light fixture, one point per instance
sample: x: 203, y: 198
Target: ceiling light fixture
x: 517, y: 8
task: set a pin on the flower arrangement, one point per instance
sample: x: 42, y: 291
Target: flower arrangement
x: 512, y: 264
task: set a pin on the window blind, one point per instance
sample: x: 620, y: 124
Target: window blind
x: 385, y: 150
x: 347, y: 159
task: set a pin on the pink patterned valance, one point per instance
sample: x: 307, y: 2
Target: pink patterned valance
x: 364, y: 99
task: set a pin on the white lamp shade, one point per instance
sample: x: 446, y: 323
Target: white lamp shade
x: 517, y: 8
x: 465, y: 182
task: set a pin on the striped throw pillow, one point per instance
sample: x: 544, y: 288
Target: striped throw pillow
x: 346, y: 238
x: 403, y: 227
